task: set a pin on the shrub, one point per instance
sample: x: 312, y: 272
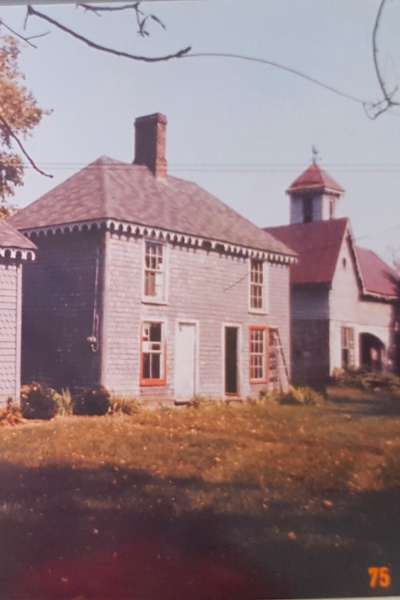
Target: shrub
x: 124, y: 406
x: 301, y: 396
x: 64, y: 403
x: 94, y: 401
x: 11, y: 415
x: 197, y: 402
x: 366, y: 380
x: 38, y: 401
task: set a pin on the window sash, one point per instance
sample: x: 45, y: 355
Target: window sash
x: 154, y: 271
x: 153, y: 352
x: 258, y: 354
x: 347, y: 335
x: 257, y: 284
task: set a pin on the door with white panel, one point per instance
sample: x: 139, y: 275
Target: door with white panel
x: 185, y: 361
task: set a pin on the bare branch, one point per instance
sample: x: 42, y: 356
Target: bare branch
x: 278, y: 66
x: 91, y: 44
x: 388, y: 96
x: 22, y: 37
x: 97, y: 9
x: 24, y: 152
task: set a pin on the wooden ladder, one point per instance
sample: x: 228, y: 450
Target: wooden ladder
x: 278, y: 372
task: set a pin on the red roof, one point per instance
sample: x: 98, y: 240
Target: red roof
x: 317, y: 244
x: 377, y: 276
x: 314, y: 178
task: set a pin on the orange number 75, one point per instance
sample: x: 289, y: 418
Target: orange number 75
x: 379, y: 577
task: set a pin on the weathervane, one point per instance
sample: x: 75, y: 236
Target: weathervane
x: 315, y: 154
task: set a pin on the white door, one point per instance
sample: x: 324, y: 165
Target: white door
x: 185, y: 361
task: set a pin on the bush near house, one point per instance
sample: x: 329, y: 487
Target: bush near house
x: 302, y: 396
x: 366, y: 380
x: 38, y: 401
x: 94, y: 401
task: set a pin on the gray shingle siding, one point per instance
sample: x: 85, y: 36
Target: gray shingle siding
x: 10, y: 322
x: 198, y: 288
x: 59, y: 296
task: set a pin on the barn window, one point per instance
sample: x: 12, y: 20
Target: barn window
x: 258, y: 354
x: 153, y: 354
x: 347, y: 347
x: 154, y: 271
x: 256, y: 285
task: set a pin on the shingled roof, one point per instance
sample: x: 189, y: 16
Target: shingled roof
x: 13, y: 239
x: 109, y: 189
x: 314, y: 178
x: 378, y: 277
x: 318, y: 244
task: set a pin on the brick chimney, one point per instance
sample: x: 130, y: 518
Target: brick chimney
x: 150, y: 144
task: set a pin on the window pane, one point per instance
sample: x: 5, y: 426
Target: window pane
x: 155, y: 366
x: 146, y: 366
x: 155, y: 332
x: 150, y: 284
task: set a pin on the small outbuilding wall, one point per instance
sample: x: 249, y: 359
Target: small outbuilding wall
x: 10, y: 329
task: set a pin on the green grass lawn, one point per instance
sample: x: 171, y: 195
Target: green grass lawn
x: 238, y: 501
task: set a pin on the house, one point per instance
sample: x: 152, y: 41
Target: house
x: 150, y: 285
x: 343, y: 298
x: 14, y: 250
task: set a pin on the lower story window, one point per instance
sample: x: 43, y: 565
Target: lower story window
x: 153, y: 354
x: 258, y: 354
x: 347, y: 347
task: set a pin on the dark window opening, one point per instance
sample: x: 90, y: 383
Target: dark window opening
x: 307, y: 210
x: 231, y: 370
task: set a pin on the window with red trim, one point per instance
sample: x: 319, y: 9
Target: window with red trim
x: 256, y: 284
x: 258, y: 354
x: 153, y: 354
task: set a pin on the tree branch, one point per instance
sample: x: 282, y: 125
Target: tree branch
x: 387, y: 96
x: 21, y: 37
x: 91, y: 44
x: 24, y: 152
x: 97, y: 9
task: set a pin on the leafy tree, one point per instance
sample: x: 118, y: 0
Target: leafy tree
x: 19, y: 115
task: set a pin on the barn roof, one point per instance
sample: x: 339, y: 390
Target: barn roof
x: 377, y: 276
x: 314, y: 178
x: 109, y: 189
x: 10, y: 238
x: 318, y: 244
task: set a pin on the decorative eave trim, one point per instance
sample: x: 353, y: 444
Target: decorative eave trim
x: 17, y: 254
x: 123, y: 227
x: 376, y: 296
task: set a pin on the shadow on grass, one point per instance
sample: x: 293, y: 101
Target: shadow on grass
x: 379, y: 404
x: 107, y: 533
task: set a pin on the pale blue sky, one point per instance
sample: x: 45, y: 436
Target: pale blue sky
x: 223, y: 111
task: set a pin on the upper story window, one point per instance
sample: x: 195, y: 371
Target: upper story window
x: 307, y: 210
x: 154, y: 271
x: 258, y: 286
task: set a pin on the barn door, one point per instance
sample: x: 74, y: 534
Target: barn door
x: 185, y: 361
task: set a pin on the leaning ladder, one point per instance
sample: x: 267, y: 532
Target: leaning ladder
x: 279, y: 376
